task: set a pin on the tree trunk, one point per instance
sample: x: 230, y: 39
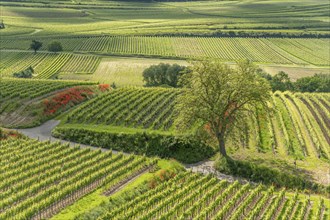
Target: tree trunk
x: 222, y: 146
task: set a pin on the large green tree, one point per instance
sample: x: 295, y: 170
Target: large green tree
x: 220, y: 97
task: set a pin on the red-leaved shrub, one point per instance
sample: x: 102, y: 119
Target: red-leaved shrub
x: 68, y: 97
x: 104, y: 87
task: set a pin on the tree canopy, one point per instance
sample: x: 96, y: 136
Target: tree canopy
x: 316, y: 83
x: 282, y: 82
x: 35, y: 45
x: 163, y: 74
x: 220, y: 97
x: 55, y: 46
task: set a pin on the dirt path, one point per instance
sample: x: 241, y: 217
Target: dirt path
x: 35, y: 31
x: 44, y: 133
x: 207, y: 167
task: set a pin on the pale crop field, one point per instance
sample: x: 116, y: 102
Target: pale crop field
x: 294, y: 72
x: 121, y: 71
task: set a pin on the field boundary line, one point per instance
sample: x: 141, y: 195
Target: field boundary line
x: 128, y: 180
x: 56, y: 207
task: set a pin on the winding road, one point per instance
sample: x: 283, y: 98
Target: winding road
x: 44, y: 133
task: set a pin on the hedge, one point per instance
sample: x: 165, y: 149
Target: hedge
x: 184, y: 148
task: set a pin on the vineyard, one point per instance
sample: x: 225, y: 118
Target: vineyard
x: 299, y: 127
x: 15, y: 93
x: 145, y: 108
x: 70, y: 65
x: 38, y: 179
x: 90, y: 126
x: 261, y: 50
x: 25, y: 88
x: 47, y: 65
x: 81, y: 64
x: 201, y: 17
x: 204, y: 197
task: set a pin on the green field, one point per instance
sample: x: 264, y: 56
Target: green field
x: 162, y: 18
x: 81, y: 171
x: 298, y: 130
x: 21, y: 99
x: 139, y: 29
x: 259, y: 50
x: 139, y: 164
x: 123, y: 71
x: 66, y: 174
x: 301, y: 118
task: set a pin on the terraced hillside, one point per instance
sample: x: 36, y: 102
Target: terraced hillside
x: 299, y: 126
x: 38, y: 179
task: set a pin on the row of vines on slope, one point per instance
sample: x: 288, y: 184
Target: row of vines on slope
x: 193, y: 196
x: 132, y: 107
x: 47, y: 65
x: 270, y: 50
x: 40, y: 178
x: 299, y: 125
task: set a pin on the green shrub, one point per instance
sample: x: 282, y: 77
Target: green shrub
x: 27, y: 73
x: 282, y: 82
x: 2, y: 133
x: 186, y: 149
x: 164, y: 75
x: 55, y: 46
x: 316, y: 83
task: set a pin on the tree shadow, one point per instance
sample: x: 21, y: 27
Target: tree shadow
x: 292, y: 168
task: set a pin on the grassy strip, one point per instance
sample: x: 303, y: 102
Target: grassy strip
x: 96, y: 198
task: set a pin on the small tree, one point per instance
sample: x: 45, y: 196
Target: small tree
x: 55, y: 46
x: 281, y: 81
x: 2, y: 134
x: 113, y: 85
x: 35, y: 45
x: 220, y: 97
x: 2, y: 25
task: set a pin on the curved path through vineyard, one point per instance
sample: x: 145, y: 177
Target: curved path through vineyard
x: 44, y: 133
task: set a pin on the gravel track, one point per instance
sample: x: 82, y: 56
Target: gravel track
x: 44, y: 133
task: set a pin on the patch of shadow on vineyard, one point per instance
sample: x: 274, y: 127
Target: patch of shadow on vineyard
x: 292, y: 167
